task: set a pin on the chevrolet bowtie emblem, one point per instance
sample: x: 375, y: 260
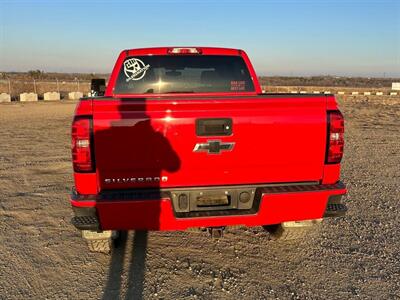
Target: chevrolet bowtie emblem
x: 213, y: 147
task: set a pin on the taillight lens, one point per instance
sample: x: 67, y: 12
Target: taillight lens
x: 335, y: 141
x: 81, y: 145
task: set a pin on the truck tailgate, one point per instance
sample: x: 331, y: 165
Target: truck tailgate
x: 154, y: 142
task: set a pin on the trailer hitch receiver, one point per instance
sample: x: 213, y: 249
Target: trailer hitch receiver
x: 216, y: 232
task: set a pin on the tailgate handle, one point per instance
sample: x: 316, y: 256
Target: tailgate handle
x: 214, y: 127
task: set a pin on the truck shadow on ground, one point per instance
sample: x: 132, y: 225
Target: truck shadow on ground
x: 135, y: 274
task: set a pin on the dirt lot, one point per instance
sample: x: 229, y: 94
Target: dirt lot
x: 42, y: 256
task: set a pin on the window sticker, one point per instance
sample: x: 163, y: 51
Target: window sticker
x: 238, y: 85
x: 135, y: 69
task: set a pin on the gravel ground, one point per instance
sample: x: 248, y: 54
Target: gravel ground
x: 43, y: 256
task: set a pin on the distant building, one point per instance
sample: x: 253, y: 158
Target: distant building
x: 396, y: 86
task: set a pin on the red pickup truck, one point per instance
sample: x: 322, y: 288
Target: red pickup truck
x: 185, y: 137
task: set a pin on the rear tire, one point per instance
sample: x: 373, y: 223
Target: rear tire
x: 100, y: 242
x: 291, y: 230
x: 100, y: 246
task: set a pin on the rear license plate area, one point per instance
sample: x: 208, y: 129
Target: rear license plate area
x: 212, y: 201
x: 201, y: 199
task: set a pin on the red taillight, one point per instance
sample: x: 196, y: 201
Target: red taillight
x: 184, y: 51
x: 81, y: 145
x: 335, y: 140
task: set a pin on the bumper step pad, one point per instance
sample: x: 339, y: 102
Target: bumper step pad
x: 335, y: 210
x: 85, y: 222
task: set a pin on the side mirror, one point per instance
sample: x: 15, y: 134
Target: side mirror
x: 97, y: 87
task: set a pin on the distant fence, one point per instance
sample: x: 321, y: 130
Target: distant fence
x: 330, y: 90
x: 16, y: 87
x: 34, y: 90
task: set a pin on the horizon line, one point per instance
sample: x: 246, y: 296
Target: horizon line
x: 259, y: 75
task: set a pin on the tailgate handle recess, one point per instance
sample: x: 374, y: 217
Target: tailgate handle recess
x: 214, y: 127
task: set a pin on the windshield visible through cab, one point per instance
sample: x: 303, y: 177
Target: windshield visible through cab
x: 163, y: 74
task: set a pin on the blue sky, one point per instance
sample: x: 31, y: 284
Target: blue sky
x: 356, y: 38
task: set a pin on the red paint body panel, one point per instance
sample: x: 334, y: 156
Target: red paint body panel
x: 277, y: 139
x: 331, y: 103
x: 331, y: 174
x: 84, y: 108
x: 86, y: 183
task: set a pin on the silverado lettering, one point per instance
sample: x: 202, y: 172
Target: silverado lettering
x: 136, y: 179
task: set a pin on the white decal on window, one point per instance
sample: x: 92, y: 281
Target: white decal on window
x: 135, y: 69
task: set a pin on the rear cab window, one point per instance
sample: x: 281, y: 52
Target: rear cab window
x: 169, y: 74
